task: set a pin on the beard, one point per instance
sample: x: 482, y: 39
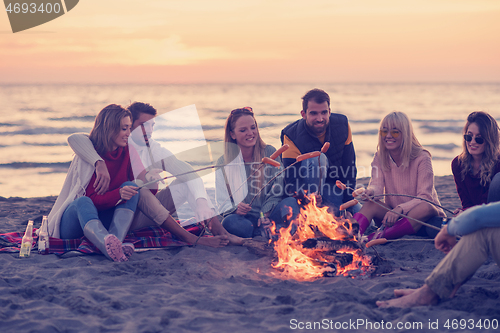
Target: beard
x: 317, y: 129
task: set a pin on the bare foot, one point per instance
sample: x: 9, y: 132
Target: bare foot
x: 235, y: 240
x: 215, y: 241
x: 403, y: 292
x: 421, y: 296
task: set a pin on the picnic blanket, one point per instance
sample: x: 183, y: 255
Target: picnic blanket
x: 148, y: 237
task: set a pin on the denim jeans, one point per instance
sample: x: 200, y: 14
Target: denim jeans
x: 312, y: 173
x: 246, y: 226
x: 82, y: 210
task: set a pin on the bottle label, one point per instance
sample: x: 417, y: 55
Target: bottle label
x: 25, y: 249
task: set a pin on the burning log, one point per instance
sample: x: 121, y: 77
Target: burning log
x: 327, y: 244
x: 318, y: 244
x: 341, y: 259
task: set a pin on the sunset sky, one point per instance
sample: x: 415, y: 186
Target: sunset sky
x: 171, y: 41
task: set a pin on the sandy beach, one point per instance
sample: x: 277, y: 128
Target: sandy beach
x: 200, y: 289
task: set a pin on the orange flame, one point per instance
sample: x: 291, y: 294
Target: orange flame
x: 317, y: 224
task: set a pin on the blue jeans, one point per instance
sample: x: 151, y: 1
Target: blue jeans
x: 82, y: 210
x: 246, y: 226
x: 312, y: 173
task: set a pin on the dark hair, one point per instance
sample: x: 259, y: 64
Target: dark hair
x: 106, y: 126
x: 137, y: 108
x: 317, y: 95
x: 488, y: 128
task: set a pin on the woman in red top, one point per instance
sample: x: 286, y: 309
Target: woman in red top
x: 98, y: 217
x: 474, y: 169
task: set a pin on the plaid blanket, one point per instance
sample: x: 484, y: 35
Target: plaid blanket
x: 148, y: 237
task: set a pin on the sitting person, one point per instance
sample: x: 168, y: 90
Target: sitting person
x: 400, y: 166
x: 319, y: 175
x: 480, y: 228
x: 244, y: 146
x: 106, y: 218
x: 185, y: 188
x: 474, y: 169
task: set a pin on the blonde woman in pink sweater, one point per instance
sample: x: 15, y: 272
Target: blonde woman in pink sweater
x: 400, y: 166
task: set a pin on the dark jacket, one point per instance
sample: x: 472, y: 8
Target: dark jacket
x: 341, y: 156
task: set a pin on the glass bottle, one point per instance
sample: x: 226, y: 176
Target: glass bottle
x: 27, y: 241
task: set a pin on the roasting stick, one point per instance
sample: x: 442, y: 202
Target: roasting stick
x: 414, y: 197
x: 266, y: 160
x: 299, y: 158
x: 343, y: 186
x: 324, y: 149
x: 381, y: 241
x: 171, y: 176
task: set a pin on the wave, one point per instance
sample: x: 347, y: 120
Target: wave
x: 446, y: 146
x: 47, y: 144
x: 440, y: 129
x: 48, y: 130
x: 78, y: 118
x: 367, y: 132
x: 26, y: 165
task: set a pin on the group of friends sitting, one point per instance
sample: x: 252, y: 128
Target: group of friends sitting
x: 103, y: 197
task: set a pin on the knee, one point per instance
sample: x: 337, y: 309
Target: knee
x: 83, y: 200
x: 290, y: 202
x: 238, y: 225
x: 432, y: 210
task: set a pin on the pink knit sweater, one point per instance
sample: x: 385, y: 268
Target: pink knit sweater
x: 416, y: 180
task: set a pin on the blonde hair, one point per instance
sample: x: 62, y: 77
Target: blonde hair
x: 488, y: 128
x: 410, y: 147
x: 231, y: 150
x: 106, y: 126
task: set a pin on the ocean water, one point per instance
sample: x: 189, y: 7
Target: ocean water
x: 35, y: 120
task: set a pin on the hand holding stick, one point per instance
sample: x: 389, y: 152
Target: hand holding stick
x: 266, y: 160
x: 171, y: 176
x: 298, y: 159
x: 343, y: 186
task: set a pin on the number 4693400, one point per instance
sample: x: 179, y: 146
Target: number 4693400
x: 32, y: 8
x: 471, y: 324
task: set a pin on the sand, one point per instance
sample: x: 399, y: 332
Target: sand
x: 200, y: 289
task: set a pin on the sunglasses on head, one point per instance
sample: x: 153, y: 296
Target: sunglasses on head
x: 469, y: 138
x: 240, y: 110
x: 394, y: 133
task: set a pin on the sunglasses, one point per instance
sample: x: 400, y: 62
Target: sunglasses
x: 394, y: 133
x: 469, y: 138
x: 245, y: 109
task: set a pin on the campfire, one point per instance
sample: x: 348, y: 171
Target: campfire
x: 318, y: 244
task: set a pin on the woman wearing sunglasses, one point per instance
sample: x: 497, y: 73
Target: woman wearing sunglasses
x: 478, y: 163
x: 243, y: 151
x: 400, y: 166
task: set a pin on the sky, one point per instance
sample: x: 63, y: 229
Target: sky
x: 200, y: 41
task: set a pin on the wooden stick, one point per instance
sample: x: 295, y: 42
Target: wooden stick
x: 171, y: 176
x: 264, y: 160
x: 384, y: 240
x: 299, y: 158
x: 343, y: 186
